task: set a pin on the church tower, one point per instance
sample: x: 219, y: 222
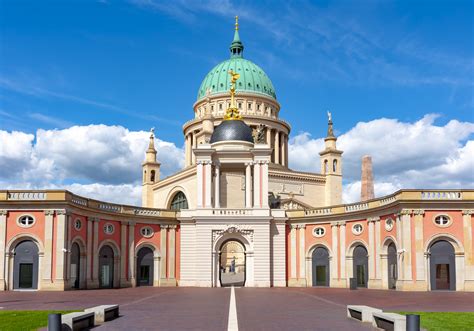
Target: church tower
x: 151, y: 172
x: 331, y: 167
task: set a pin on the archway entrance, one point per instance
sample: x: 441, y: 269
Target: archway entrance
x: 25, y: 268
x: 392, y: 266
x: 106, y: 267
x: 360, y: 266
x: 320, y: 267
x: 232, y: 263
x: 442, y: 266
x: 145, y: 267
x: 75, y: 266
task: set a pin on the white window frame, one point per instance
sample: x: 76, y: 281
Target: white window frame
x: 143, y: 229
x: 447, y: 217
x: 18, y: 221
x: 315, y: 230
x: 354, y: 229
x: 389, y: 224
x: 76, y: 222
x: 109, y: 225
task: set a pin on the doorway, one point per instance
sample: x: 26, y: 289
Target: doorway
x: 392, y: 266
x: 145, y: 267
x: 442, y: 266
x: 106, y: 267
x: 360, y: 266
x: 25, y: 269
x: 320, y: 267
x: 75, y: 266
x: 232, y: 263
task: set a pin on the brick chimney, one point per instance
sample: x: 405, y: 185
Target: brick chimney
x: 367, y: 180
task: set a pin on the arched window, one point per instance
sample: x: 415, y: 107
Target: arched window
x: 179, y: 202
x: 334, y: 165
x: 152, y: 176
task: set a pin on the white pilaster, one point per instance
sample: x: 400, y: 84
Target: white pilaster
x: 277, y: 147
x: 48, y: 247
x: 264, y: 180
x: 61, y: 247
x: 90, y: 235
x: 371, y: 249
x: 3, y: 234
x: 342, y: 237
x: 171, y: 252
x: 248, y: 185
x: 301, y: 249
x: 419, y: 244
x: 207, y: 185
x: 163, y: 248
x: 217, y: 187
x: 95, y: 252
x: 200, y: 185
x: 123, y: 256
x: 131, y: 253
x: 334, y: 257
x: 468, y: 253
x: 256, y: 185
x: 378, y: 271
x: 293, y: 251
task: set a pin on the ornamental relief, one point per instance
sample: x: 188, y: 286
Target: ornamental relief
x: 285, y: 188
x: 247, y: 233
x: 291, y: 205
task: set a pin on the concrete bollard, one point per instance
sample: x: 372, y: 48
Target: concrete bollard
x: 54, y: 322
x: 413, y: 322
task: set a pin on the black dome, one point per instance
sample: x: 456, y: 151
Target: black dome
x: 232, y: 130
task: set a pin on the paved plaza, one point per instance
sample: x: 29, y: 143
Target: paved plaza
x: 151, y: 308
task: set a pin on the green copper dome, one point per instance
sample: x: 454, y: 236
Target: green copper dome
x: 252, y: 78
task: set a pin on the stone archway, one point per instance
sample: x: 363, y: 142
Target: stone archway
x: 320, y: 266
x: 75, y: 277
x: 232, y: 263
x: 360, y: 266
x: 106, y: 267
x: 25, y: 265
x: 244, y: 237
x: 145, y: 267
x: 442, y: 266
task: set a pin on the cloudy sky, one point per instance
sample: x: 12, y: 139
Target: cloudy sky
x: 81, y: 83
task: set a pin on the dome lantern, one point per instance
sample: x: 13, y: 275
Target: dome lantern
x: 236, y: 47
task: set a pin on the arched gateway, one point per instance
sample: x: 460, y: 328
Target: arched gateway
x: 232, y: 263
x: 25, y: 269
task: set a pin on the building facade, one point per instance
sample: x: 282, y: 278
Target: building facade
x: 238, y: 215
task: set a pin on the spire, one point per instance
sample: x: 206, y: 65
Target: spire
x: 330, y: 129
x: 232, y: 112
x: 151, y: 144
x: 236, y: 48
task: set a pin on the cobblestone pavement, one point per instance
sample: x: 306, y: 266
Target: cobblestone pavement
x: 148, y: 308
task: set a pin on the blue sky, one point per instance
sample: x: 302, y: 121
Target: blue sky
x: 138, y: 64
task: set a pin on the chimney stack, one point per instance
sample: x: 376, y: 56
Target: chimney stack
x: 367, y: 180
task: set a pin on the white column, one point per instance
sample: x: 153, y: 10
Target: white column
x: 208, y: 185
x: 156, y: 270
x: 256, y: 185
x: 277, y: 147
x: 419, y: 244
x: 468, y: 253
x: 400, y: 266
x: 123, y: 255
x: 188, y: 151
x: 371, y: 249
x: 48, y: 246
x: 217, y: 187
x: 334, y: 257
x: 264, y: 179
x: 283, y: 149
x: 406, y: 221
x: 378, y: 250
x: 194, y: 145
x: 3, y: 235
x: 342, y: 239
x: 269, y: 137
x: 302, y: 251
x: 90, y: 235
x: 171, y: 253
x: 200, y: 185
x: 293, y: 251
x: 95, y: 252
x: 164, y: 229
x: 248, y: 185
x: 61, y: 247
x: 131, y: 253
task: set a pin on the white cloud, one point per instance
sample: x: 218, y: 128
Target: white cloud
x: 405, y: 155
x: 96, y: 160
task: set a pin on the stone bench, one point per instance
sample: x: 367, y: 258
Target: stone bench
x: 361, y: 313
x: 77, y: 321
x: 104, y: 313
x: 389, y: 321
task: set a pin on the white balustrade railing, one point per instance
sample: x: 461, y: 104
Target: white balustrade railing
x: 388, y: 200
x: 79, y: 201
x: 26, y: 195
x: 147, y: 212
x: 356, y: 207
x: 441, y: 195
x: 319, y: 211
x: 232, y: 212
x: 109, y: 207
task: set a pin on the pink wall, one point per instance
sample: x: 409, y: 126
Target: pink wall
x: 13, y: 229
x: 455, y: 229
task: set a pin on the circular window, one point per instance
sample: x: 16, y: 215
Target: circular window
x: 357, y: 229
x: 77, y: 224
x: 389, y: 224
x: 319, y: 232
x: 146, y: 231
x: 109, y: 228
x: 26, y: 221
x: 442, y: 220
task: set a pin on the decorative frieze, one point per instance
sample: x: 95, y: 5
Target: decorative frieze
x: 286, y: 188
x: 147, y: 212
x: 26, y: 195
x: 419, y: 212
x: 246, y: 232
x: 468, y: 211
